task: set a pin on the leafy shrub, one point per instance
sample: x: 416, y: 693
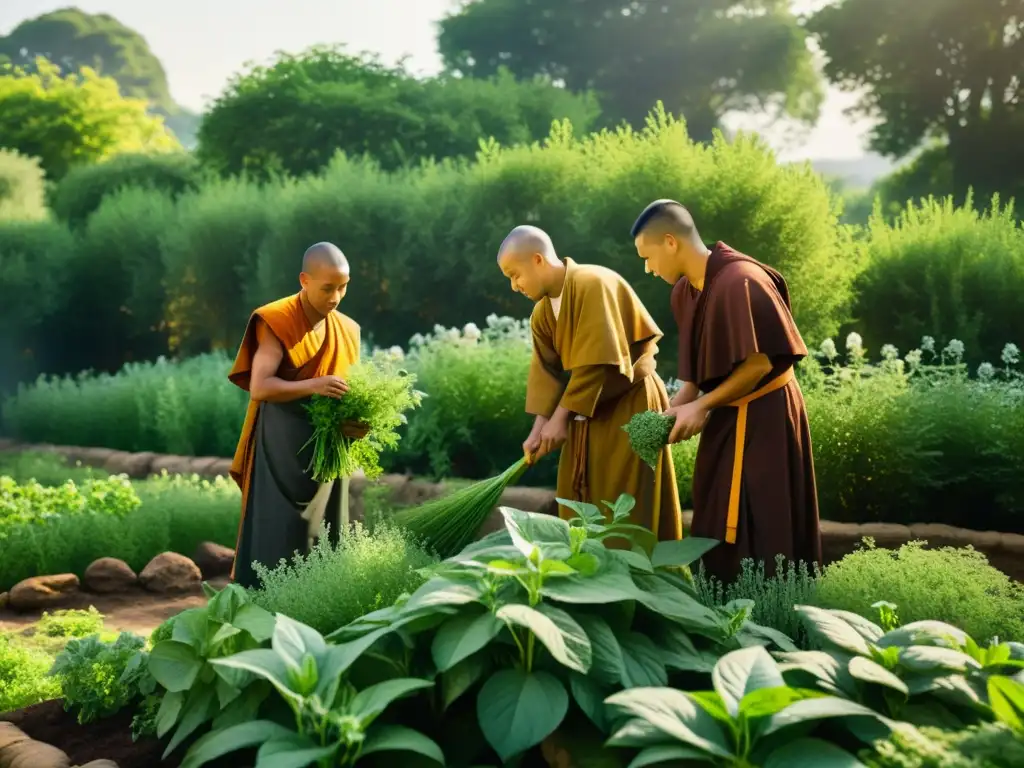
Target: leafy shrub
x: 991, y: 745
x: 956, y: 586
x: 79, y: 194
x: 23, y: 679
x: 333, y: 585
x: 91, y: 675
x: 22, y: 187
x: 45, y: 468
x: 34, y: 503
x: 932, y: 273
x: 70, y: 623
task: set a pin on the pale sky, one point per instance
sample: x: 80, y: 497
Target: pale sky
x: 203, y: 42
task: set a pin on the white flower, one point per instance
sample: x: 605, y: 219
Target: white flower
x: 492, y: 320
x: 927, y: 344
x: 986, y: 371
x: 889, y: 352
x: 828, y: 349
x: 452, y: 334
x: 471, y: 331
x: 854, y: 342
x: 913, y: 358
x: 439, y: 329
x: 417, y: 340
x: 954, y: 349
x: 396, y: 353
x: 1011, y: 354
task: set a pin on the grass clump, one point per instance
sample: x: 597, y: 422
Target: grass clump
x: 957, y: 586
x: 335, y: 584
x: 70, y: 623
x: 648, y: 434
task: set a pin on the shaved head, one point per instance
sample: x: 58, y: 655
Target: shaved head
x: 527, y: 258
x: 527, y: 241
x: 322, y: 255
x: 666, y: 217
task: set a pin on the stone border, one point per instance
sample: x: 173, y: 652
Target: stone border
x: 1005, y: 551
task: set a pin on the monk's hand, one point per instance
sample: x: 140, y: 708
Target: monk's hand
x: 330, y: 386
x: 530, y: 447
x: 553, y: 435
x: 690, y: 420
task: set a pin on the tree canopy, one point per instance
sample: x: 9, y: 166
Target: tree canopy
x: 295, y: 114
x: 945, y: 70
x: 73, y: 120
x: 702, y: 58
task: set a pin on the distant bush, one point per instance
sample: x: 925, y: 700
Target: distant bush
x: 22, y: 187
x: 77, y: 196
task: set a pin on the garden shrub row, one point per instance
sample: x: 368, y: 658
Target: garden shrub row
x: 912, y: 438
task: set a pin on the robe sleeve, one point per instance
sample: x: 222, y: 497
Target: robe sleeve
x: 682, y: 310
x: 747, y: 315
x: 586, y: 385
x: 544, y: 387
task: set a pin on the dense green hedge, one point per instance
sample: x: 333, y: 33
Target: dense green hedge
x: 906, y: 440
x: 22, y: 187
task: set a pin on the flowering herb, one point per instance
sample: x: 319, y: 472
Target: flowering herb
x: 648, y: 433
x: 350, y: 432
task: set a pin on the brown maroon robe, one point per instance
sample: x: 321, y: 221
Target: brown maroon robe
x: 744, y: 309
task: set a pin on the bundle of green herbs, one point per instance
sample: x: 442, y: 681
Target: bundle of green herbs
x: 648, y: 433
x: 446, y: 525
x: 350, y: 432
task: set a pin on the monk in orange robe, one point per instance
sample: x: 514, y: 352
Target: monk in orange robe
x: 753, y: 481
x: 293, y: 348
x: 593, y: 369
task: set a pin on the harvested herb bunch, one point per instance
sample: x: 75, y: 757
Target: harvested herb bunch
x: 446, y: 525
x: 648, y: 433
x: 350, y: 432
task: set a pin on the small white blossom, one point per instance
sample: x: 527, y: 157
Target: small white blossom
x: 828, y: 349
x: 439, y: 330
x: 452, y: 334
x: 927, y: 344
x: 913, y: 358
x: 854, y: 342
x: 417, y: 340
x: 986, y: 371
x: 889, y: 352
x: 471, y: 331
x: 397, y: 353
x: 955, y: 349
x: 1011, y: 354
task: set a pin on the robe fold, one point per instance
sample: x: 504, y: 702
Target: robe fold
x: 270, y: 464
x: 597, y: 360
x: 758, y: 495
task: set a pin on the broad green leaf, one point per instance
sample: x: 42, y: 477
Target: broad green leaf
x: 738, y: 673
x: 765, y: 702
x: 586, y: 564
x: 224, y: 632
x: 190, y: 628
x: 370, y: 702
x: 398, y: 738
x: 761, y: 635
x: 462, y: 636
x: 225, y: 604
x: 200, y: 705
x: 556, y: 629
x: 712, y: 703
x: 609, y: 585
x: 590, y: 696
x: 256, y: 621
x: 174, y: 664
x: 677, y: 554
x: 866, y: 629
x: 530, y: 529
x: 292, y: 751
x: 832, y: 631
x: 244, y: 708
x: 810, y: 710
x: 292, y: 640
x: 868, y: 671
x: 167, y: 715
x: 811, y: 753
x: 606, y: 656
x: 676, y: 715
x: 637, y: 560
x: 621, y: 507
x: 518, y: 710
x: 263, y: 663
x: 641, y: 662
x: 670, y: 753
x: 636, y: 733
x: 927, y: 658
x: 1006, y: 697
x: 461, y: 677
x: 555, y: 568
x: 588, y: 512
x: 226, y: 693
x: 678, y: 652
x: 216, y: 744
x: 660, y: 596
x: 923, y: 633
x: 444, y: 591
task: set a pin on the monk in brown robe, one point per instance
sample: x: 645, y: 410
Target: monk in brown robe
x: 753, y: 482
x: 293, y: 348
x: 593, y: 368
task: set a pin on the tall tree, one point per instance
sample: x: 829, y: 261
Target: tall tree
x: 944, y: 70
x: 702, y: 58
x: 295, y: 114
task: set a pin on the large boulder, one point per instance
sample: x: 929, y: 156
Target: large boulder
x: 43, y: 592
x: 169, y: 573
x: 214, y: 559
x: 108, y: 574
x: 19, y: 751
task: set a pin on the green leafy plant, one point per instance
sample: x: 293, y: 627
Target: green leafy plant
x: 380, y: 393
x: 196, y: 690
x: 99, y: 679
x: 332, y: 723
x: 648, y: 434
x: 751, y: 718
x: 70, y: 623
x: 23, y: 674
x: 989, y: 745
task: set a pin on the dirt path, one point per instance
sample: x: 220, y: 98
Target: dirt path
x: 136, y: 611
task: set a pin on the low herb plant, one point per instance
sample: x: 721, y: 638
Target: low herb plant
x: 70, y: 623
x: 991, y: 745
x: 333, y: 585
x: 23, y: 675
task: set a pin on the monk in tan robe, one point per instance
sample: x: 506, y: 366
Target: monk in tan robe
x: 753, y: 482
x: 293, y: 348
x: 593, y: 368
